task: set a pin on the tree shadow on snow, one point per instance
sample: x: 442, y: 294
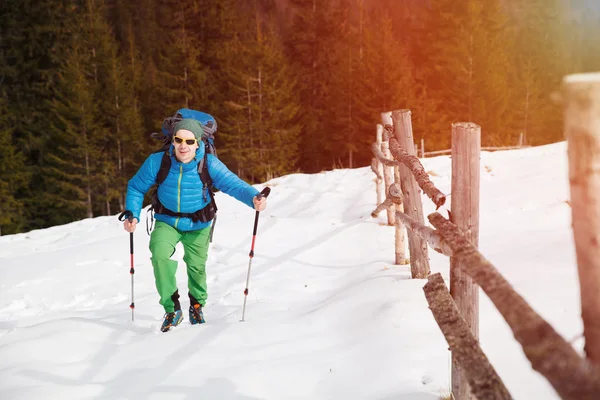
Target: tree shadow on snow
x: 140, y: 381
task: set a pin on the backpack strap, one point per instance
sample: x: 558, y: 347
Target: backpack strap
x: 203, y: 166
x: 207, y: 182
x: 165, y: 166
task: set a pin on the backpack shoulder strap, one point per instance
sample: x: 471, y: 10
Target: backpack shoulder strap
x: 203, y: 166
x: 165, y: 166
x: 207, y: 182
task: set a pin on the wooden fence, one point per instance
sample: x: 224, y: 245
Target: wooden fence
x: 456, y: 311
x: 422, y: 153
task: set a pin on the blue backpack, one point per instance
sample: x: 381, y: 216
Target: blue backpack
x: 209, y: 125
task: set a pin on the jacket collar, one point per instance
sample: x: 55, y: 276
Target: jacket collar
x: 193, y: 164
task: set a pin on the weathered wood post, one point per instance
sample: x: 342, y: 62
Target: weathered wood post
x: 388, y: 177
x: 395, y: 194
x: 413, y: 205
x: 400, y: 233
x: 581, y: 99
x: 466, y: 149
x: 379, y: 168
x: 422, y: 148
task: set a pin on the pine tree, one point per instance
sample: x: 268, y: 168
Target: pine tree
x: 467, y: 57
x: 347, y: 59
x: 12, y: 174
x: 310, y: 39
x: 76, y: 168
x: 538, y: 39
x: 118, y: 113
x: 384, y: 80
x: 182, y: 78
x: 260, y: 131
x: 31, y: 47
x: 137, y: 29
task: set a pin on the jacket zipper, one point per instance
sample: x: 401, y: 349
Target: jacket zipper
x: 179, y: 194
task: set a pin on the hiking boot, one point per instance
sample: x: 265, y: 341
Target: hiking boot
x: 196, y: 314
x: 172, y: 319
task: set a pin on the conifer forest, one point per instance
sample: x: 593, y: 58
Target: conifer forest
x: 297, y: 86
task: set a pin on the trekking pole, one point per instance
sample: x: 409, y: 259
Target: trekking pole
x: 129, y: 215
x: 264, y: 193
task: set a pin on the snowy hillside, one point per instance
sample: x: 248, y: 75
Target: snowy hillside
x: 328, y: 315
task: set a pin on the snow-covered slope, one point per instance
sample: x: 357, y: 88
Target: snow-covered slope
x: 328, y: 315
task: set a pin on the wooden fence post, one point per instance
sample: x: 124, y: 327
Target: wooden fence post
x: 413, y: 204
x: 400, y: 236
x: 581, y: 99
x: 400, y: 233
x: 388, y: 178
x: 466, y: 149
x: 379, y: 168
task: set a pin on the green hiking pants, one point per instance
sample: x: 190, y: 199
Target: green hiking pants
x: 163, y: 240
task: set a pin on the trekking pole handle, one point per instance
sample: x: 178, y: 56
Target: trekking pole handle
x: 126, y: 214
x: 265, y: 193
x: 129, y: 216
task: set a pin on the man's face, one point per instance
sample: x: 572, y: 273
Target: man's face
x: 185, y: 152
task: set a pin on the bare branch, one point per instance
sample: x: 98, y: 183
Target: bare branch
x: 481, y: 375
x: 552, y: 356
x: 382, y: 159
x: 375, y: 169
x: 387, y: 203
x: 393, y: 196
x: 415, y: 166
x: 433, y: 238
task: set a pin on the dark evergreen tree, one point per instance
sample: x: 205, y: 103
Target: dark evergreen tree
x: 182, y: 79
x: 13, y: 177
x: 539, y: 63
x: 118, y: 116
x: 72, y: 174
x: 260, y: 131
x: 467, y: 62
x: 310, y: 40
x: 384, y: 80
x: 83, y: 165
x: 31, y: 45
x: 345, y: 99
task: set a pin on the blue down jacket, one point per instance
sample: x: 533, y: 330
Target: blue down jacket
x: 181, y: 191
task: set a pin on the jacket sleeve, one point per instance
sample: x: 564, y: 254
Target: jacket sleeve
x: 141, y: 182
x: 228, y: 182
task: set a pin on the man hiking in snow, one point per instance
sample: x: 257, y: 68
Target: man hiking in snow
x: 183, y: 215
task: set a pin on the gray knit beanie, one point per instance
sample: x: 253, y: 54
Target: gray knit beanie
x: 191, y: 125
